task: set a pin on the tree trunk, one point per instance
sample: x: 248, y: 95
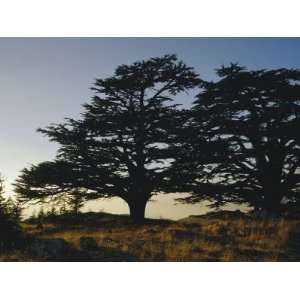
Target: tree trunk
x: 272, y: 201
x: 137, y: 208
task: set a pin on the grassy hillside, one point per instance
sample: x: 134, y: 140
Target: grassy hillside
x: 214, y: 237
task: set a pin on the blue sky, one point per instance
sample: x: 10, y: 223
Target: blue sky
x: 43, y: 80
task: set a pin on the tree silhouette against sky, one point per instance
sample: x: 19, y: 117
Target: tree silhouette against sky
x: 239, y: 142
x: 244, y: 141
x: 120, y: 146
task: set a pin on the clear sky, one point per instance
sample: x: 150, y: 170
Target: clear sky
x: 43, y: 80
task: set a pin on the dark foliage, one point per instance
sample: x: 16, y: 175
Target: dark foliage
x: 120, y: 147
x: 244, y: 142
x: 239, y: 142
x: 11, y: 235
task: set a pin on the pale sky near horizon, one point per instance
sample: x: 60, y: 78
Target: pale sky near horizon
x: 44, y: 80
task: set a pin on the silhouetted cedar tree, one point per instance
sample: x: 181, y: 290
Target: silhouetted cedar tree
x: 120, y: 146
x: 241, y: 143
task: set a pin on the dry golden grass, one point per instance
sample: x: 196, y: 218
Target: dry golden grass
x: 243, y: 239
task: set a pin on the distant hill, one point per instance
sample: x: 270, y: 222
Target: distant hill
x: 293, y: 214
x: 220, y: 215
x: 89, y: 219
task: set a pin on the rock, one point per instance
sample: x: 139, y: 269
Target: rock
x: 88, y: 243
x: 49, y: 248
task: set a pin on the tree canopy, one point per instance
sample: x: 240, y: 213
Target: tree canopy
x: 120, y: 146
x: 244, y: 145
x: 238, y: 143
